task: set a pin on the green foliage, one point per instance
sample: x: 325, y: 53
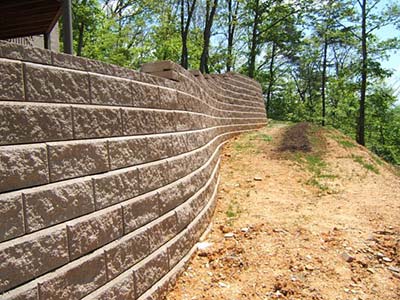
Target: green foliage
x: 285, y: 40
x: 366, y: 165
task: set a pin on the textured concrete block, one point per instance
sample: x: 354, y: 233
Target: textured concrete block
x: 26, y: 292
x: 77, y: 158
x: 138, y: 121
x: 110, y: 90
x: 150, y: 270
x: 50, y: 84
x: 11, y: 50
x: 75, y: 280
x: 145, y: 95
x: 68, y: 61
x: 169, y: 100
x: 128, y: 151
x: 116, y: 186
x: 32, y: 123
x: 11, y: 216
x: 173, y: 195
x: 125, y: 252
x: 121, y: 288
x: 162, y: 230
x: 89, y: 233
x: 180, y: 247
x: 23, y: 166
x: 164, y: 121
x: 140, y: 211
x: 180, y: 166
x: 94, y: 122
x: 37, y: 55
x: 58, y: 202
x: 30, y: 256
x: 153, y: 175
x: 11, y: 82
x: 184, y: 213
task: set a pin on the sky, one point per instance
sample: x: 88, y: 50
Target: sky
x: 393, y: 63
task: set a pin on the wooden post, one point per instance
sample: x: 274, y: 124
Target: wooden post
x: 67, y: 26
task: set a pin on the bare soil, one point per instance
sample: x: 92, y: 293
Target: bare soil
x: 290, y: 225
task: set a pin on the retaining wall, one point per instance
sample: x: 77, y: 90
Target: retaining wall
x: 108, y: 176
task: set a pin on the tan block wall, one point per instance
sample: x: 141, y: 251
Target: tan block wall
x: 108, y: 176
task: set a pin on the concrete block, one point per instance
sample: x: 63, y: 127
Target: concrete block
x: 162, y: 230
x: 121, y: 288
x: 138, y: 121
x: 77, y: 158
x: 153, y: 176
x: 150, y: 270
x: 51, y: 84
x: 110, y: 90
x: 11, y: 216
x: 68, y: 61
x: 164, y: 121
x: 11, y: 82
x: 23, y: 166
x: 145, y: 95
x: 140, y: 211
x: 129, y: 151
x: 58, y: 202
x: 75, y: 280
x: 93, y: 231
x: 31, y: 256
x: 28, y: 291
x: 96, y: 122
x: 125, y: 252
x: 180, y: 247
x: 116, y: 186
x: 32, y: 123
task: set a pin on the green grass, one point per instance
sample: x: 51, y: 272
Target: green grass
x: 360, y: 160
x: 246, y: 142
x: 342, y: 140
x: 233, y: 212
x: 313, y: 161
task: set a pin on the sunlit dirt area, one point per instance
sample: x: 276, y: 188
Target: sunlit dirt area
x: 317, y: 219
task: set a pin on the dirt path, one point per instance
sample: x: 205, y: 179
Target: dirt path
x: 298, y: 227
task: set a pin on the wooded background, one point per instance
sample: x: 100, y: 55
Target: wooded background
x: 317, y: 61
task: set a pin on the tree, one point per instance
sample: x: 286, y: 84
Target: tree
x: 187, y: 9
x: 209, y: 18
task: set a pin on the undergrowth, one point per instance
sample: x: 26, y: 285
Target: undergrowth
x: 360, y: 160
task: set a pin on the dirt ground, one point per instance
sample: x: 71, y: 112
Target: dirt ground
x: 297, y: 225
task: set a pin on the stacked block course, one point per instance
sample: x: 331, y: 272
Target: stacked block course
x: 108, y: 176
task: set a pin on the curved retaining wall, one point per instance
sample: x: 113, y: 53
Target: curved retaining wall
x: 108, y: 176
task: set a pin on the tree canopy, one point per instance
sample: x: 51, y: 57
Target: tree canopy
x: 318, y: 61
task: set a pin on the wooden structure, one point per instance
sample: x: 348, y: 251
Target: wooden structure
x: 34, y: 17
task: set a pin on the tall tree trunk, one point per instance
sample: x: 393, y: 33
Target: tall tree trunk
x: 80, y: 39
x: 323, y: 80
x: 271, y: 77
x: 232, y: 18
x: 254, y: 40
x: 207, y: 35
x: 361, y: 116
x: 185, y: 24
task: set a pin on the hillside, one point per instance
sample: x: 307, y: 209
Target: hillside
x: 314, y: 219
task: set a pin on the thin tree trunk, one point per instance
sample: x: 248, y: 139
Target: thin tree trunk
x: 361, y: 116
x: 271, y: 77
x: 207, y: 35
x: 185, y: 30
x: 323, y: 80
x: 254, y: 39
x: 232, y: 18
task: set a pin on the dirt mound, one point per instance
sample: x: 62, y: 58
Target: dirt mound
x: 295, y: 138
x: 322, y: 224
